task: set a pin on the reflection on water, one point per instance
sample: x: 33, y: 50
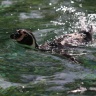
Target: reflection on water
x: 6, y: 3
x: 33, y: 14
x: 6, y: 84
x: 46, y: 74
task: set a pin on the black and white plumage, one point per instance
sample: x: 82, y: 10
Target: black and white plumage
x: 25, y: 37
x: 59, y: 45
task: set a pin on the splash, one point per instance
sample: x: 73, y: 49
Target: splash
x: 65, y: 8
x: 57, y: 23
x: 85, y: 21
x: 81, y: 20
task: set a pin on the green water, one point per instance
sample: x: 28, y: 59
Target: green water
x: 28, y: 72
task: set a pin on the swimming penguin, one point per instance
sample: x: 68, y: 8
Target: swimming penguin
x: 59, y: 45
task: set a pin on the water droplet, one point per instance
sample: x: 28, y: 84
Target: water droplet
x: 80, y: 5
x: 11, y: 14
x: 54, y: 7
x: 39, y: 8
x: 23, y: 86
x: 72, y: 1
x: 30, y: 7
x: 50, y: 4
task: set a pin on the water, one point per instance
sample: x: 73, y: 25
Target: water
x: 27, y: 72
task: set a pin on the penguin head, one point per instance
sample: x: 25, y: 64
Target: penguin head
x: 25, y: 37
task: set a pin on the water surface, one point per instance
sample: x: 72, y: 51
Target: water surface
x: 27, y: 72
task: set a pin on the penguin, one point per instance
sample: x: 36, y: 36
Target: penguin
x: 59, y: 44
x: 26, y: 37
